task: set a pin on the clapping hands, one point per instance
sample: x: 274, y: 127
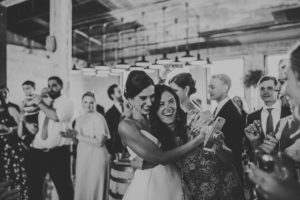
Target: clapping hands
x: 253, y: 133
x: 69, y: 133
x: 269, y: 144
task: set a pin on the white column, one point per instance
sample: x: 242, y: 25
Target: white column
x: 61, y: 29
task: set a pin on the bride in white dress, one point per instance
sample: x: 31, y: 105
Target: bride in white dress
x: 161, y: 182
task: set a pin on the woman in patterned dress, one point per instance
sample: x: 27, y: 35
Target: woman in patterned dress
x: 207, y: 175
x: 12, y: 153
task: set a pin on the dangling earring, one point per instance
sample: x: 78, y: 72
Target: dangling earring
x: 129, y: 105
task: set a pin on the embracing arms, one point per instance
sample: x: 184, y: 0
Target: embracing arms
x: 149, y: 151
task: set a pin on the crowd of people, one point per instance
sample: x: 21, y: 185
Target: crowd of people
x: 163, y: 134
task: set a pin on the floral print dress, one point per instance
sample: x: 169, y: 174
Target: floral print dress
x: 205, y: 176
x: 12, y: 158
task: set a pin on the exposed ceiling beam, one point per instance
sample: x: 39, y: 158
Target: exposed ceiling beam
x: 108, y: 4
x: 8, y: 3
x: 231, y: 38
x: 40, y: 21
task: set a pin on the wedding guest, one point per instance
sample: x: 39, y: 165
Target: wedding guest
x: 233, y: 129
x: 92, y: 164
x: 267, y: 117
x: 205, y: 173
x: 241, y: 107
x: 113, y: 118
x: 271, y: 185
x: 13, y: 109
x: 138, y: 135
x: 282, y: 66
x: 50, y: 152
x: 12, y: 152
x: 29, y: 112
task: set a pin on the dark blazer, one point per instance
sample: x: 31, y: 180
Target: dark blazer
x: 113, y: 118
x: 233, y: 132
x: 256, y: 115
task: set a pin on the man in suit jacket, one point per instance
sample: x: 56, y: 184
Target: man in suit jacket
x: 233, y: 129
x: 265, y: 137
x: 113, y: 117
x: 259, y: 133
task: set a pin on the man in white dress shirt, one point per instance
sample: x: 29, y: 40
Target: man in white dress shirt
x: 218, y: 89
x: 268, y: 116
x: 50, y: 152
x: 113, y: 118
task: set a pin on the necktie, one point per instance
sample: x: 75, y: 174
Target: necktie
x: 215, y: 112
x: 45, y: 128
x: 269, y: 127
x: 122, y: 107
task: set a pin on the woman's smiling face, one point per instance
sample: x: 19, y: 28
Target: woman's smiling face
x: 167, y: 108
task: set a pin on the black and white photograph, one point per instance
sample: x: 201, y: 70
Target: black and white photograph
x: 149, y: 99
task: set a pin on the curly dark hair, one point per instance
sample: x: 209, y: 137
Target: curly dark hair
x: 161, y: 131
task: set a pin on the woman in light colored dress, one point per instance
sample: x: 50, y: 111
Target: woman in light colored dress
x: 161, y: 182
x: 92, y: 165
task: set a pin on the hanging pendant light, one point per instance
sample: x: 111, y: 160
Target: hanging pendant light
x: 199, y: 60
x: 143, y: 62
x: 176, y: 61
x: 74, y: 69
x: 164, y: 60
x: 208, y: 63
x: 102, y: 65
x: 102, y: 69
x: 187, y: 57
x: 89, y: 71
x: 121, y: 64
x: 155, y: 65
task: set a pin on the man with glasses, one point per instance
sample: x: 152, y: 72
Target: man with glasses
x: 50, y: 152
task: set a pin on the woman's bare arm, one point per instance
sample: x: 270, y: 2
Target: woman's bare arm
x: 149, y: 151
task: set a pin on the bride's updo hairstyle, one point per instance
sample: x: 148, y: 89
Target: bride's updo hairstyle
x: 136, y: 82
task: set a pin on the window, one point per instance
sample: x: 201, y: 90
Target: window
x: 272, y: 62
x: 234, y: 68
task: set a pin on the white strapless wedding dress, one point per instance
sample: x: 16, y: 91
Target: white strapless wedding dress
x: 159, y: 183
